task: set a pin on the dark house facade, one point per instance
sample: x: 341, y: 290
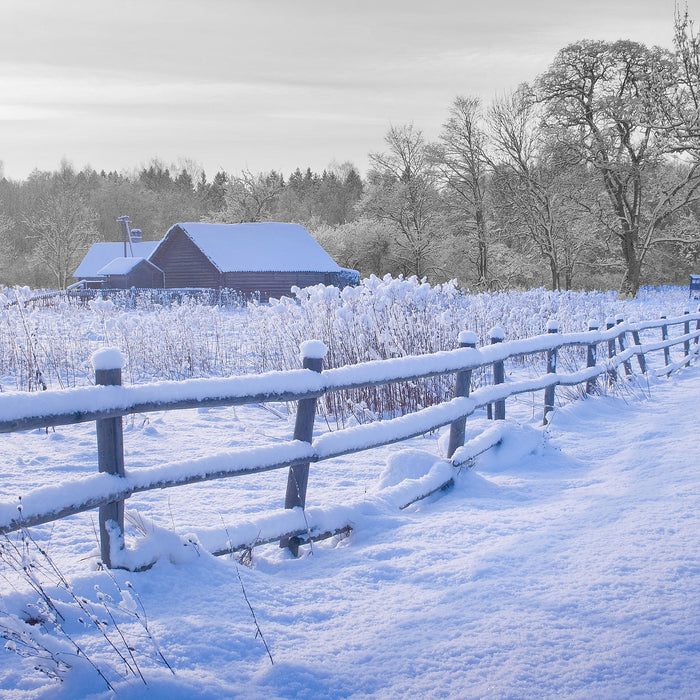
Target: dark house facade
x: 125, y: 273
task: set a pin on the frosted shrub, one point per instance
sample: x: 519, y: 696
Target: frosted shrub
x: 393, y: 317
x: 379, y: 319
x: 183, y: 340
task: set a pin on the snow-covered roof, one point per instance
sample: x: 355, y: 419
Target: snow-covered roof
x: 120, y: 266
x: 258, y: 247
x: 102, y: 253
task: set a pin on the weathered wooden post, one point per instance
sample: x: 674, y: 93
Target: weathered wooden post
x: 552, y: 327
x: 686, y: 343
x: 591, y: 356
x: 312, y: 354
x: 467, y: 339
x: 640, y: 355
x: 667, y: 350
x: 612, y: 373
x: 110, y: 455
x: 499, y: 407
x: 620, y: 339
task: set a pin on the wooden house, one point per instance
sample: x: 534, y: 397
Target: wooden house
x: 124, y: 273
x: 101, y: 254
x: 264, y: 258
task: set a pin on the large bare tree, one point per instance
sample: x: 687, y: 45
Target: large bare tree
x: 607, y: 103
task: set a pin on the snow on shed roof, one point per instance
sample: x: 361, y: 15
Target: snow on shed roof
x: 259, y: 247
x: 120, y: 266
x: 100, y: 254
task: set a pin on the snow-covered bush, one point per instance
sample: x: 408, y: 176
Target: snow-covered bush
x: 380, y: 318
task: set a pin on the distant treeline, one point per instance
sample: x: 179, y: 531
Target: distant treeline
x: 589, y: 177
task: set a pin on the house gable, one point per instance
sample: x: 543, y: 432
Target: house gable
x: 183, y: 263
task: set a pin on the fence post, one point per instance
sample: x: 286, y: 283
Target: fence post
x: 312, y: 354
x: 640, y: 355
x: 591, y: 356
x: 552, y: 327
x: 612, y: 373
x: 620, y: 339
x: 499, y: 407
x: 110, y: 455
x: 686, y: 344
x: 667, y: 350
x: 467, y: 339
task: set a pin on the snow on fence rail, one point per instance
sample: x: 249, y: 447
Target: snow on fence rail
x: 108, y: 401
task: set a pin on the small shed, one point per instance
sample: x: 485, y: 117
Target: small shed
x: 124, y: 273
x: 100, y: 254
x: 695, y: 286
x: 269, y: 258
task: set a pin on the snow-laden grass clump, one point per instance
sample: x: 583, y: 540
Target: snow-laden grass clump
x: 381, y: 318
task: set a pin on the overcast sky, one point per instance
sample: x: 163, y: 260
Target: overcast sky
x: 264, y: 84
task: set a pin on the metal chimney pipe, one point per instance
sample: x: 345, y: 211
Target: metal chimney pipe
x: 126, y: 236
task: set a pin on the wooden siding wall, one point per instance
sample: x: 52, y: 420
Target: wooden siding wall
x: 143, y: 276
x: 273, y: 284
x: 184, y: 264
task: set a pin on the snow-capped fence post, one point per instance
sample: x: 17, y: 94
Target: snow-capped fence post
x: 612, y: 373
x: 552, y: 327
x: 463, y: 381
x: 499, y: 407
x: 664, y: 337
x: 686, y: 343
x: 312, y: 354
x: 110, y: 454
x: 640, y: 355
x: 621, y: 340
x: 591, y: 356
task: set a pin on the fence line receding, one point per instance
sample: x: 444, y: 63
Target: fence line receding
x: 602, y: 353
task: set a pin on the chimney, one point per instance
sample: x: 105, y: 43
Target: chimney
x: 136, y: 235
x: 126, y: 235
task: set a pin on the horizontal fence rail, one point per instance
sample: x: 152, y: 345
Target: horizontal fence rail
x: 108, y: 401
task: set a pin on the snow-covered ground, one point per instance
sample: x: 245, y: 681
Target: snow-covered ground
x: 564, y: 564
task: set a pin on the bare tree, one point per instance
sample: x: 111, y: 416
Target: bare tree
x: 683, y: 109
x: 533, y: 182
x: 607, y: 103
x: 463, y: 167
x: 401, y: 190
x: 61, y: 225
x: 365, y: 245
x: 250, y: 197
x: 6, y: 244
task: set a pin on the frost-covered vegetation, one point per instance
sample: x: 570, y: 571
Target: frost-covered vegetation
x: 531, y: 500
x: 392, y: 317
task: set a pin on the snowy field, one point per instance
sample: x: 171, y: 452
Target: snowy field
x: 563, y: 564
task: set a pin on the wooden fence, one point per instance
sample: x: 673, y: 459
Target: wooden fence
x: 108, y: 401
